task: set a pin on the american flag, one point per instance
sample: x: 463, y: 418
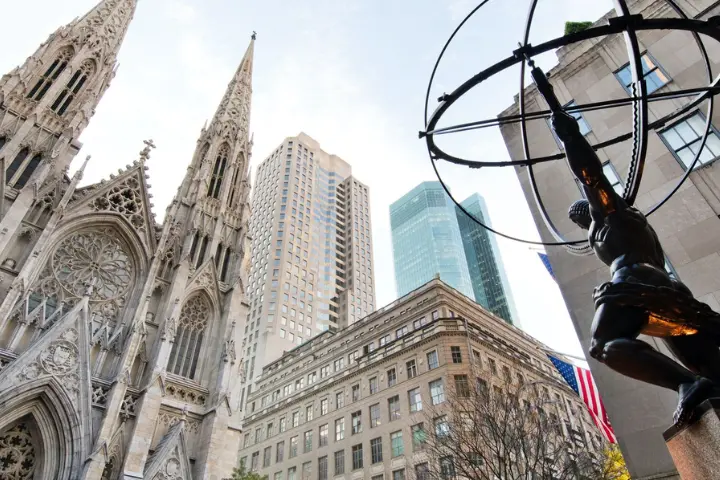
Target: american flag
x: 581, y: 380
x: 546, y: 261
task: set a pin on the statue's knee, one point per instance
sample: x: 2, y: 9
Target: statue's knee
x: 597, y: 350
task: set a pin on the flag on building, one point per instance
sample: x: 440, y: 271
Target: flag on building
x: 546, y: 262
x: 581, y: 380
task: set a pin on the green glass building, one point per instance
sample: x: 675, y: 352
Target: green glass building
x: 426, y: 240
x: 487, y: 274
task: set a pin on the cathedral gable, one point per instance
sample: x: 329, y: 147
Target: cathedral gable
x: 61, y: 356
x: 170, y: 459
x: 125, y: 195
x: 205, y: 278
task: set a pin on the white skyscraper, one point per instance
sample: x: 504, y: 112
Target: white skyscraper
x: 312, y: 262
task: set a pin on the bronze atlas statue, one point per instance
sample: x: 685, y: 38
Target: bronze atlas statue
x: 641, y: 297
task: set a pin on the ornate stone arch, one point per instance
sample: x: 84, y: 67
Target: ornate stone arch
x: 193, y: 334
x: 42, y: 417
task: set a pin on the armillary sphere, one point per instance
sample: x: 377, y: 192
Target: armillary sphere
x: 626, y: 23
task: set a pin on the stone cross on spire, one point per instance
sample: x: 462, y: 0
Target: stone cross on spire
x: 145, y: 152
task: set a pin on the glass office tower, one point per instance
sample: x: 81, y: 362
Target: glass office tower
x: 487, y: 274
x: 426, y: 240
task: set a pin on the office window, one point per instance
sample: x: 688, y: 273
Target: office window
x: 292, y: 473
x: 506, y: 373
x: 356, y: 422
x: 279, y: 452
x: 401, y: 332
x: 293, y: 446
x: 323, y: 435
x: 267, y: 456
x: 295, y: 419
x: 339, y: 400
x: 462, y: 386
x: 307, y: 441
x: 309, y: 412
x: 281, y: 427
x: 415, y: 400
x: 373, y: 385
x: 339, y: 429
x: 278, y: 476
x: 375, y: 415
x: 324, y: 371
x: 377, y: 477
x: 394, y: 408
x: 340, y: 462
x: 254, y: 460
x: 418, y: 436
x: 376, y: 453
x: 493, y: 366
x: 322, y: 468
x: 306, y: 470
x: 447, y: 468
x: 683, y: 139
x: 456, y: 354
x: 357, y: 456
x: 442, y: 427
x: 385, y: 340
x: 411, y: 368
x: 422, y: 471
x: 432, y: 360
x: 355, y: 393
x: 396, y: 443
x: 391, y: 377
x: 654, y: 76
x: 437, y: 392
x: 435, y: 315
x: 398, y: 475
x: 324, y: 406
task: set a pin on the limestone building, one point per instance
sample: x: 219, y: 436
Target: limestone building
x: 312, y: 267
x: 348, y: 404
x: 117, y: 334
x: 688, y: 224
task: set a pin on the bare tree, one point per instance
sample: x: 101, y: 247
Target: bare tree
x: 503, y: 434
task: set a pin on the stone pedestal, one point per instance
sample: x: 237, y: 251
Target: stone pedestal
x: 695, y: 449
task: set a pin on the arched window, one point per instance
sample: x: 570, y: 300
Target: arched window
x: 51, y: 74
x: 16, y: 163
x: 218, y: 172
x: 226, y: 264
x: 233, y: 186
x: 203, y: 249
x: 63, y: 100
x: 28, y: 171
x: 189, y: 336
x: 218, y: 254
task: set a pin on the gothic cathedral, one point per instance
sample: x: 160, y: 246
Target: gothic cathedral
x: 117, y: 334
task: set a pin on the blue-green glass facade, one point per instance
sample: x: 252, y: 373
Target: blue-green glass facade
x: 487, y: 274
x: 426, y: 240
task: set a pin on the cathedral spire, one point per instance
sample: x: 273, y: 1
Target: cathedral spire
x: 105, y: 24
x: 235, y: 105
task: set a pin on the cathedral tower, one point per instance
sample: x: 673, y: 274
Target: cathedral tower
x: 117, y: 334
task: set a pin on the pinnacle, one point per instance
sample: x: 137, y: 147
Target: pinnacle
x: 108, y: 21
x: 237, y: 95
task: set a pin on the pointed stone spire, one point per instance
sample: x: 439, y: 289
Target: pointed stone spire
x: 235, y: 105
x: 104, y: 25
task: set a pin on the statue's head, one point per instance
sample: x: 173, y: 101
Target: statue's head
x: 579, y: 213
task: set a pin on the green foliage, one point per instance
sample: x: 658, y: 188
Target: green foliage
x: 242, y: 474
x: 574, y: 27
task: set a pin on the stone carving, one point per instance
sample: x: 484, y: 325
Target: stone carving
x: 125, y: 199
x: 60, y: 359
x: 99, y: 395
x: 169, y: 419
x: 185, y: 395
x: 127, y: 409
x: 94, y: 257
x: 17, y: 453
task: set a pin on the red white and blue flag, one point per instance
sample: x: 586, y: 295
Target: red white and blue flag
x: 581, y: 380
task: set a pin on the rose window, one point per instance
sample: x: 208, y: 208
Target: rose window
x: 17, y: 453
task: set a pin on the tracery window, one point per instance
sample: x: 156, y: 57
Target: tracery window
x: 17, y: 453
x: 51, y: 74
x: 19, y: 180
x: 218, y: 172
x: 185, y: 352
x: 76, y: 82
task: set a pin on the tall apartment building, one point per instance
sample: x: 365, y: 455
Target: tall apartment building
x: 349, y: 404
x: 487, y: 274
x: 426, y: 240
x: 688, y: 225
x: 312, y: 258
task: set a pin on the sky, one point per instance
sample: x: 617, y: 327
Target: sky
x: 350, y: 73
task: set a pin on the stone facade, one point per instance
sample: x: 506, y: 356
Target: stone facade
x: 117, y: 333
x: 320, y: 387
x: 688, y: 224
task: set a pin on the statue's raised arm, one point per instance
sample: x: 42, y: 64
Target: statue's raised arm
x: 581, y: 157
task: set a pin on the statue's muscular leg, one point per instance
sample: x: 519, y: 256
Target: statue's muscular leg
x: 614, y: 343
x: 699, y: 354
